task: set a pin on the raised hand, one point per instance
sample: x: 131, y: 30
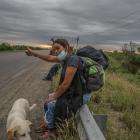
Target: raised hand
x: 29, y: 52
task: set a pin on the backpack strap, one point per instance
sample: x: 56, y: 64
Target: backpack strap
x: 82, y: 76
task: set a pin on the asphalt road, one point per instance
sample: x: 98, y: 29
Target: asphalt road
x: 13, y: 64
x: 21, y: 76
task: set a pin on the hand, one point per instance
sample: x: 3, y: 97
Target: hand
x: 51, y: 97
x: 29, y: 52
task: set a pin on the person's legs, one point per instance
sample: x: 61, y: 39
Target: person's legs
x: 52, y: 72
x: 49, y: 114
x: 49, y: 119
x: 50, y: 107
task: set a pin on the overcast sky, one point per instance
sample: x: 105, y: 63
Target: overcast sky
x: 95, y: 21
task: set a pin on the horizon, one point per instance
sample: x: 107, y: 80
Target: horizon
x: 105, y: 47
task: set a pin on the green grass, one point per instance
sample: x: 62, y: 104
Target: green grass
x: 68, y: 130
x: 119, y: 99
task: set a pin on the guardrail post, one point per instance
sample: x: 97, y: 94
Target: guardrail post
x: 101, y: 120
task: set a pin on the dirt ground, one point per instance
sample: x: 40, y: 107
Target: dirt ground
x: 29, y: 85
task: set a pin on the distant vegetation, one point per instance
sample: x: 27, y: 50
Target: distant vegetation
x: 8, y: 47
x: 5, y: 46
x: 139, y: 49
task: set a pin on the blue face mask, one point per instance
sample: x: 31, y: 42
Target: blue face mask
x: 62, y: 55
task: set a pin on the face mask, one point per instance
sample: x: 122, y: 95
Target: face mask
x: 62, y: 55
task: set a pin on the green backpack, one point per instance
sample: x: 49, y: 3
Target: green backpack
x: 94, y: 74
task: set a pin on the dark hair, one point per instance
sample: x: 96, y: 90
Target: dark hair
x: 62, y: 42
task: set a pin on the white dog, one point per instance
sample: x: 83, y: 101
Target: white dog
x: 17, y: 125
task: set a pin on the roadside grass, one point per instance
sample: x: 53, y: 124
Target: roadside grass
x: 119, y: 99
x: 68, y: 130
x: 122, y: 96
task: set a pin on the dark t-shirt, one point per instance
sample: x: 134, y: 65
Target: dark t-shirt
x: 76, y: 84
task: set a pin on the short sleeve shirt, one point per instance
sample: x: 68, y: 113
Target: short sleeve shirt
x: 73, y: 61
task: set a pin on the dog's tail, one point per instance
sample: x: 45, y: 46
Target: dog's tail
x: 32, y: 107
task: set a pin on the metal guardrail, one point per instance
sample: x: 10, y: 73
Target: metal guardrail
x: 87, y: 126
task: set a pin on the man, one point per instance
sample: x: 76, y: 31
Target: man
x: 68, y: 97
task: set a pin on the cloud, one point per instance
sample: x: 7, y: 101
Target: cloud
x: 92, y: 20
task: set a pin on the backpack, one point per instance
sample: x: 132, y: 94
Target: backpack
x: 95, y: 62
x: 96, y: 55
x: 93, y: 75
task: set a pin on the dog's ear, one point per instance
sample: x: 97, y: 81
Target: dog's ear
x: 28, y: 122
x: 10, y: 134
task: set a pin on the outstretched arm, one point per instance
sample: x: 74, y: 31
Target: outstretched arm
x: 49, y: 58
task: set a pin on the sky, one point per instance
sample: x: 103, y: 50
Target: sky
x: 94, y: 21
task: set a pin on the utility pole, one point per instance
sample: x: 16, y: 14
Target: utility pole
x: 77, y: 42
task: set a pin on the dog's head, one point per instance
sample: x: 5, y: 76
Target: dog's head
x: 20, y: 131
